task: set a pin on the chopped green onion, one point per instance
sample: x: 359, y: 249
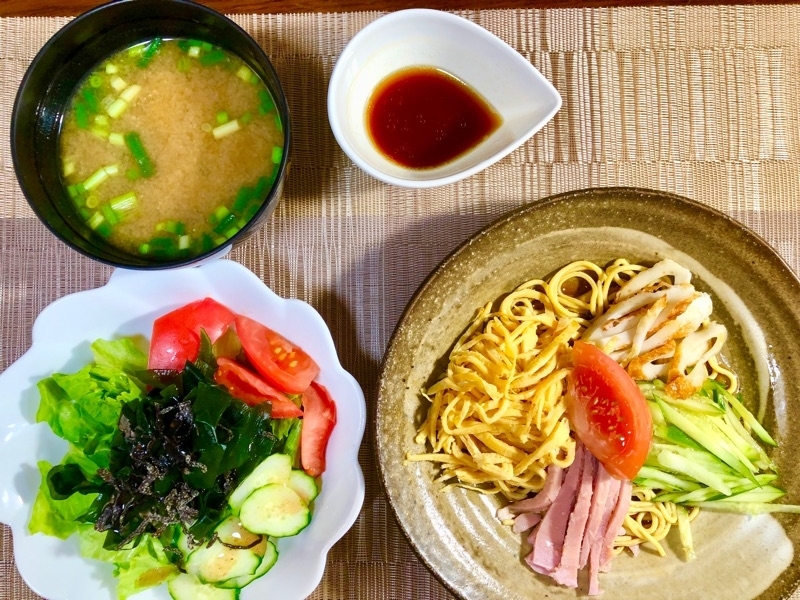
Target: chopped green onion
x: 95, y: 220
x: 267, y: 103
x: 132, y: 174
x: 130, y: 92
x: 149, y: 52
x: 206, y: 127
x: 222, y: 117
x: 68, y: 168
x: 225, y: 223
x: 140, y: 155
x: 116, y: 139
x: 118, y: 83
x: 111, y: 68
x: 101, y: 120
x: 136, y: 50
x: 100, y: 132
x: 232, y: 231
x: 124, y: 203
x: 73, y: 192
x: 212, y: 58
x: 110, y: 215
x: 262, y: 185
x: 246, y: 118
x: 206, y: 46
x: 184, y: 242
x: 226, y: 129
x: 92, y: 201
x: 220, y: 213
x: 245, y: 74
x: 90, y: 97
x: 243, y: 197
x: 81, y: 114
x: 116, y: 108
x: 100, y: 176
x: 95, y: 81
x: 107, y: 101
x: 176, y: 227
x: 206, y: 243
x: 194, y: 51
x: 184, y: 65
x: 277, y: 154
x: 144, y: 248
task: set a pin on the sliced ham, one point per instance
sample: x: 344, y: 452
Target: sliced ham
x: 604, y: 485
x: 567, y: 571
x: 541, y: 501
x: 548, y: 538
x: 615, y: 524
x: 526, y: 522
x: 573, y: 521
x: 597, y: 546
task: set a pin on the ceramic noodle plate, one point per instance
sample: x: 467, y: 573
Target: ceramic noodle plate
x: 127, y: 306
x: 755, y: 294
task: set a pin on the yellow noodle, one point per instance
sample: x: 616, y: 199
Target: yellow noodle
x: 502, y: 394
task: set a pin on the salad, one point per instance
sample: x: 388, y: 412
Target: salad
x: 189, y: 458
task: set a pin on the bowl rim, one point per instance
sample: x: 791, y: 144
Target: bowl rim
x: 270, y: 201
x: 334, y: 100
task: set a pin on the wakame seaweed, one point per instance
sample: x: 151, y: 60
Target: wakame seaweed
x: 176, y: 456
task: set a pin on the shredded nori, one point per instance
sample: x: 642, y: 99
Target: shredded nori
x: 178, y: 454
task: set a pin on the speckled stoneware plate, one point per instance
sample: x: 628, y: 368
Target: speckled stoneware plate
x: 755, y: 293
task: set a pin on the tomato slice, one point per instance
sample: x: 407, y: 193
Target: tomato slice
x: 176, y: 335
x: 318, y: 422
x: 281, y: 363
x: 608, y: 411
x: 245, y: 385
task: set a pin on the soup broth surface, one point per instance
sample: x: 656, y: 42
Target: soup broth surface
x: 170, y: 150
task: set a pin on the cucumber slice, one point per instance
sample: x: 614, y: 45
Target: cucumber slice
x: 276, y: 468
x: 232, y: 533
x: 270, y: 557
x: 188, y: 587
x: 275, y: 510
x: 218, y: 562
x: 304, y: 484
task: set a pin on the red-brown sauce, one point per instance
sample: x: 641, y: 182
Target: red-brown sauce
x: 422, y: 117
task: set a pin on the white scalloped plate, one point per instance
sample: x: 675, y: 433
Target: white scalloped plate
x: 127, y: 305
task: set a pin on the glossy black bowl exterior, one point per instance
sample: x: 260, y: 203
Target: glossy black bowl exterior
x: 65, y: 60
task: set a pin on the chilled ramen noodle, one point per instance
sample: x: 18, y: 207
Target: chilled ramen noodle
x: 170, y: 147
x: 497, y: 416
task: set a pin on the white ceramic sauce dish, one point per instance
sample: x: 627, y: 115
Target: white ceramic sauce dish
x: 519, y: 93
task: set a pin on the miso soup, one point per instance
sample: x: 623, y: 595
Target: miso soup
x: 168, y: 148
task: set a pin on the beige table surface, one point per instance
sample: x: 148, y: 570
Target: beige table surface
x: 700, y: 101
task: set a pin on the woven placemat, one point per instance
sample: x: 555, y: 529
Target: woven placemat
x: 700, y: 101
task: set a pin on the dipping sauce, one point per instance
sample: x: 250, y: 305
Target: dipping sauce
x: 169, y: 148
x: 422, y: 117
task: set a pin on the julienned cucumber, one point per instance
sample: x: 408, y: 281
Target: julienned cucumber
x: 188, y: 587
x: 704, y: 453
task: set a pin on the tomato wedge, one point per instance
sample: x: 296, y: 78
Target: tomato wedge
x: 251, y: 389
x: 318, y: 422
x: 176, y: 335
x: 608, y: 411
x: 281, y: 363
